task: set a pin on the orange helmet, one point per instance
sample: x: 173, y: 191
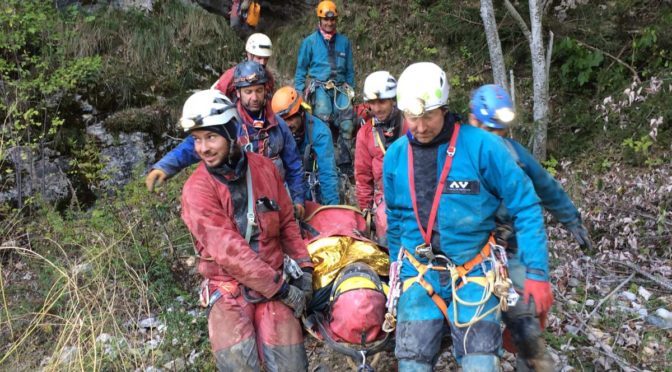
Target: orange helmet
x: 326, y: 9
x: 286, y: 102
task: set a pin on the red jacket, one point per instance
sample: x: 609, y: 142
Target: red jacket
x: 225, y: 84
x: 207, y: 210
x: 369, y: 153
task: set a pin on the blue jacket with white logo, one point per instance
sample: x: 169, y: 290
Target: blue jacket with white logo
x: 549, y: 190
x: 317, y: 56
x: 483, y: 176
x: 323, y: 146
x: 280, y: 147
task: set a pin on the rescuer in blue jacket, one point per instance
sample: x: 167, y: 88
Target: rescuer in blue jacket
x: 443, y: 185
x: 262, y: 132
x: 326, y: 58
x: 316, y: 147
x: 492, y: 110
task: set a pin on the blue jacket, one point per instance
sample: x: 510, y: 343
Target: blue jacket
x: 553, y: 197
x: 323, y: 146
x: 282, y: 147
x: 466, y: 215
x: 314, y: 60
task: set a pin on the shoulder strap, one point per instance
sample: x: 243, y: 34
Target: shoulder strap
x: 250, y: 205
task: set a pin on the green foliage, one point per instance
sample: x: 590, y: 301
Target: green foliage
x: 551, y: 166
x: 87, y: 164
x: 647, y: 52
x: 579, y: 64
x: 638, y: 151
x: 95, y: 271
x: 37, y: 72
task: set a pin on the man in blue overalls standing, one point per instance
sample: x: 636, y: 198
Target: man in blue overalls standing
x: 443, y: 184
x: 326, y: 58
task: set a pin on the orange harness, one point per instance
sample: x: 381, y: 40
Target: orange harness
x: 461, y: 270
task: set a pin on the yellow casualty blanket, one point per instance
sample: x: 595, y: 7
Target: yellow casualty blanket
x: 331, y: 254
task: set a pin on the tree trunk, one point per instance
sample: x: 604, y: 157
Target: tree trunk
x: 494, y: 45
x: 539, y: 76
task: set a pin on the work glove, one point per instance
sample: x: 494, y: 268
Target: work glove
x: 155, y: 177
x: 295, y: 299
x: 305, y: 282
x: 541, y: 293
x: 580, y: 234
x: 299, y: 211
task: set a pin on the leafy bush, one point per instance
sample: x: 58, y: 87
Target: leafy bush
x: 37, y: 72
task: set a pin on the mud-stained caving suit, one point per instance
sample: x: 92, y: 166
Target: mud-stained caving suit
x: 244, y: 335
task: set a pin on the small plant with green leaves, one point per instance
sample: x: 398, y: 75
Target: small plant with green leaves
x: 551, y: 165
x: 638, y: 151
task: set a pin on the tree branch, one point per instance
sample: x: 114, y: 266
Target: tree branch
x: 618, y: 60
x: 656, y: 279
x: 519, y: 19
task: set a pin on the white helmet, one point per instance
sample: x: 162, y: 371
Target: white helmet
x: 422, y: 87
x: 259, y: 45
x: 208, y: 108
x: 380, y: 85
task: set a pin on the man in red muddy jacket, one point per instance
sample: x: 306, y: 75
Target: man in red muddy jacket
x: 236, y: 206
x: 373, y: 139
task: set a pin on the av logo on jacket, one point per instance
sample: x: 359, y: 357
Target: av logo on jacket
x: 462, y: 187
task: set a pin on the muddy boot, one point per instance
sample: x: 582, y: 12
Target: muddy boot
x: 540, y: 363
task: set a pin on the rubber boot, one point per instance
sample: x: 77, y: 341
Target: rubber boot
x: 407, y: 365
x: 480, y: 363
x: 540, y: 362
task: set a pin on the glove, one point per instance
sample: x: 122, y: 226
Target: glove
x: 541, y: 293
x: 299, y: 211
x: 305, y: 283
x: 156, y: 177
x: 295, y: 299
x: 580, y: 234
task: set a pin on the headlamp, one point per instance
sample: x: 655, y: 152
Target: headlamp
x: 504, y: 115
x: 415, y: 107
x: 188, y: 123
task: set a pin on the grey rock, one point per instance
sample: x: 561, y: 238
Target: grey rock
x: 68, y: 353
x: 659, y: 322
x: 121, y: 154
x: 175, y: 365
x: 150, y: 322
x: 629, y: 296
x: 35, y: 174
x: 664, y: 313
x: 573, y: 282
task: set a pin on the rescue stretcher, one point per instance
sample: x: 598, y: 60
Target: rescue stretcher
x: 348, y: 307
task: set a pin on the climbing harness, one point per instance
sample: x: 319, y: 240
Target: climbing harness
x: 495, y: 280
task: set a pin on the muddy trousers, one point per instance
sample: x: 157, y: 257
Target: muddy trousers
x: 421, y: 326
x: 243, y: 336
x: 523, y: 327
x: 380, y: 220
x: 339, y: 114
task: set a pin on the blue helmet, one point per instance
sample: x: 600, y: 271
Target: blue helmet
x: 249, y: 73
x: 492, y: 106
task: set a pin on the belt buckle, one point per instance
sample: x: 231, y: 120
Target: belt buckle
x: 329, y: 85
